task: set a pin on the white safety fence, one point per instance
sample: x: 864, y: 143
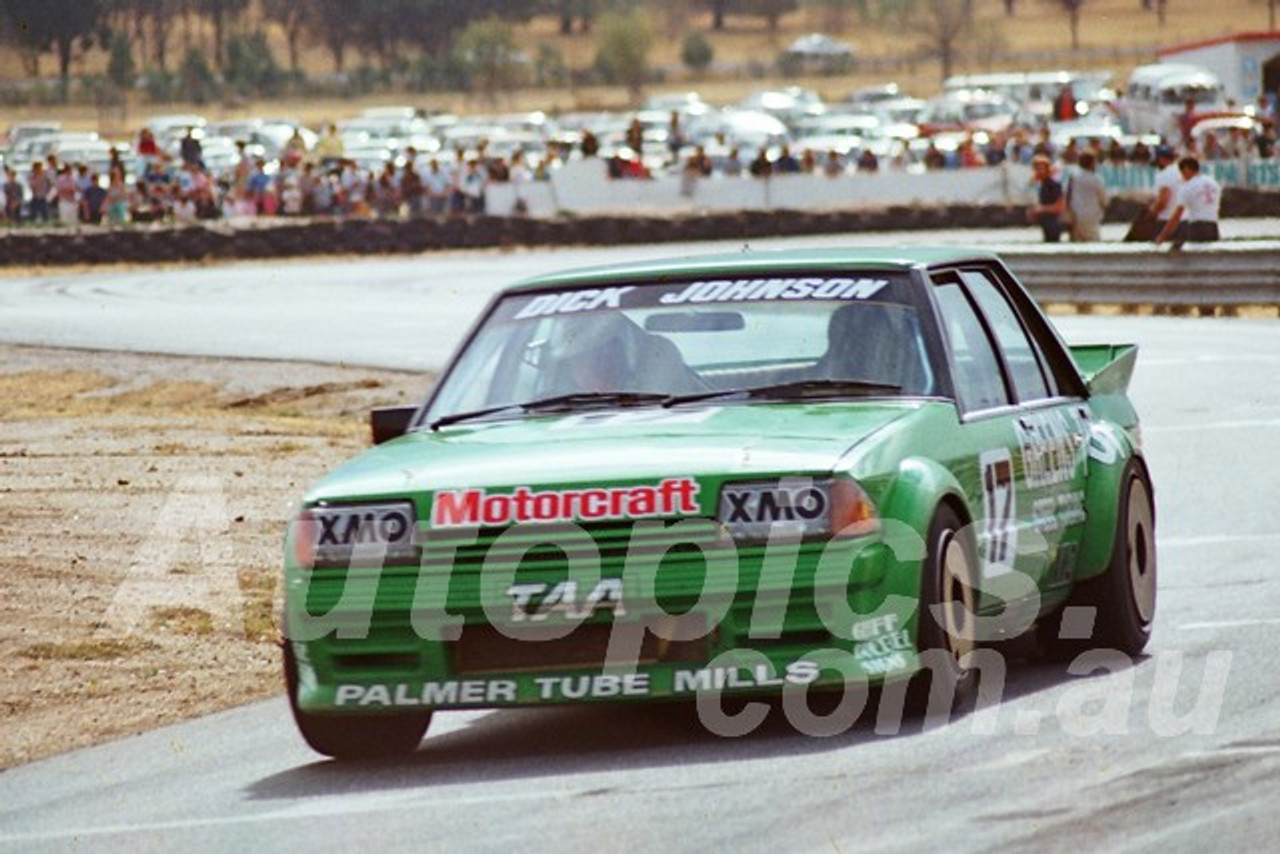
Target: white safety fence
x: 583, y: 187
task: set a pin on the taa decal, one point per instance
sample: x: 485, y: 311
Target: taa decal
x: 999, y: 540
x: 563, y: 598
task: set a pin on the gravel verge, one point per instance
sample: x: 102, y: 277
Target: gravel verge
x: 146, y: 499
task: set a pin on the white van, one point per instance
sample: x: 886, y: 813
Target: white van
x: 1157, y: 94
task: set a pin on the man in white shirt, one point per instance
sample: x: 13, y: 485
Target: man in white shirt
x: 1195, y: 209
x: 1168, y: 180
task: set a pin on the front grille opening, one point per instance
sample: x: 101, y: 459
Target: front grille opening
x: 813, y: 639
x: 485, y: 649
x: 366, y: 661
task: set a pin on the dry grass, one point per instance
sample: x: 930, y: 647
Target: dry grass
x: 183, y: 620
x: 142, y: 530
x: 1039, y: 27
x: 98, y: 649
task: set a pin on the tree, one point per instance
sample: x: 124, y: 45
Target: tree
x: 292, y: 16
x: 835, y: 13
x: 162, y: 16
x: 251, y: 69
x: 434, y: 25
x: 622, y: 49
x: 718, y: 10
x: 63, y: 26
x: 120, y: 66
x: 944, y: 24
x: 1072, y: 8
x: 326, y: 26
x: 674, y: 17
x: 493, y: 61
x: 696, y: 52
x: 124, y: 17
x: 221, y: 14
x: 548, y: 67
x: 771, y: 10
x: 568, y: 10
x: 196, y: 79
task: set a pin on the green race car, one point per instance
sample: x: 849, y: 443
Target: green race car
x: 758, y: 473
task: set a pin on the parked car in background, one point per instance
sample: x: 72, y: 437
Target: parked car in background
x: 968, y: 110
x: 688, y: 104
x: 789, y: 106
x: 817, y: 53
x: 23, y: 131
x: 748, y: 130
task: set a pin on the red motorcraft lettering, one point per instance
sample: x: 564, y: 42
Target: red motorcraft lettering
x: 469, y: 508
x: 454, y: 509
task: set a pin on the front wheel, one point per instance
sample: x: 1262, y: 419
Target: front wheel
x: 353, y: 736
x: 946, y: 620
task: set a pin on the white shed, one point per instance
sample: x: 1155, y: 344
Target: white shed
x: 1248, y: 64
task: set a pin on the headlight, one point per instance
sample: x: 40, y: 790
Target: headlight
x: 796, y: 507
x: 361, y: 534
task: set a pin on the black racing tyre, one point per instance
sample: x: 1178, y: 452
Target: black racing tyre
x: 946, y: 621
x: 353, y: 736
x: 1123, y: 598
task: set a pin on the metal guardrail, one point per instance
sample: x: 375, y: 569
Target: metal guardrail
x: 1194, y: 278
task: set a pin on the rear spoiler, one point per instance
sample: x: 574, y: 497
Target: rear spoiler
x: 1105, y: 368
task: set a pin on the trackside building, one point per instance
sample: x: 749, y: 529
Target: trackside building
x: 1248, y: 64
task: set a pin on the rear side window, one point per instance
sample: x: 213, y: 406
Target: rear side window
x: 1021, y: 357
x: 976, y: 372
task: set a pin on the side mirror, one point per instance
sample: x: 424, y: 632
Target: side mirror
x: 388, y: 422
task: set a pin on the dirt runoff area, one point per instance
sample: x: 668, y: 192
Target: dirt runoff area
x: 144, y: 502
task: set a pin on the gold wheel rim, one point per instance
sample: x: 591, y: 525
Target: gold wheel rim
x: 1140, y: 551
x: 957, y: 599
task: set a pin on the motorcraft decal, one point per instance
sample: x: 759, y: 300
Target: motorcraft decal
x: 469, y: 508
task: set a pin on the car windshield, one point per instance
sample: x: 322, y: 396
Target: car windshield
x: 677, y: 343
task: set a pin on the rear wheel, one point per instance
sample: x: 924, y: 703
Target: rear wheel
x: 1123, y: 598
x: 353, y: 736
x: 945, y: 623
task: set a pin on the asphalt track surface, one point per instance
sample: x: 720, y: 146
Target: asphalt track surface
x: 1179, y: 750
x: 406, y: 312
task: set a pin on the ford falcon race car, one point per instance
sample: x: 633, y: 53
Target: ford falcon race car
x: 750, y: 474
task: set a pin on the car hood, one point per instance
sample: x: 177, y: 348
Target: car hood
x: 637, y: 445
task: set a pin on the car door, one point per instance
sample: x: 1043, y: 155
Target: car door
x: 1052, y: 428
x: 1021, y: 439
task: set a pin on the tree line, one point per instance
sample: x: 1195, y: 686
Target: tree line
x: 435, y: 44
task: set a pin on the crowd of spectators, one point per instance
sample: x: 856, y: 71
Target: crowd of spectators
x: 183, y: 189
x: 175, y: 183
